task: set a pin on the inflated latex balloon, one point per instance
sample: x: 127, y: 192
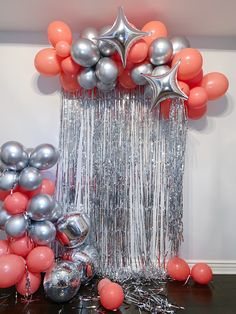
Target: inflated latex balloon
x: 201, y: 273
x: 178, y: 269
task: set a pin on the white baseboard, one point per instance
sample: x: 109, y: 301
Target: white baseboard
x: 224, y: 267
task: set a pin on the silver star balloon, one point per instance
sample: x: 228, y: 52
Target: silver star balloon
x: 122, y: 35
x: 165, y: 86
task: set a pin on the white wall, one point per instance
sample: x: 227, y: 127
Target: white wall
x: 30, y: 110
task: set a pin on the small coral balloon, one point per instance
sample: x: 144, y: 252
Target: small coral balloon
x: 201, y: 273
x: 102, y: 283
x: 156, y: 29
x: 138, y: 52
x: 40, y: 259
x: 29, y: 283
x: 47, y: 187
x: 21, y: 246
x: 59, y: 31
x: 126, y: 81
x: 63, y: 49
x: 69, y: 82
x: 12, y: 269
x: 16, y: 203
x: 68, y: 66
x: 47, y: 62
x: 197, y: 98
x: 196, y: 113
x: 111, y: 296
x: 215, y: 84
x: 178, y: 269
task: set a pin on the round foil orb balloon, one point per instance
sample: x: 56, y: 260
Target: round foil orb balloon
x: 42, y: 232
x: 4, y: 216
x: 62, y: 281
x: 30, y: 179
x: 8, y: 179
x: 106, y: 87
x: 160, y: 51
x: 105, y: 48
x: 11, y: 153
x: 106, y: 70
x: 44, y: 156
x: 16, y: 226
x: 56, y: 213
x: 160, y: 70
x: 90, y: 33
x: 84, y: 52
x: 136, y: 73
x: 73, y: 229
x: 87, y: 78
x: 179, y: 43
x: 41, y: 207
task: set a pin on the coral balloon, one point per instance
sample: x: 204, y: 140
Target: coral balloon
x: 69, y: 82
x: 63, y: 49
x: 111, y: 296
x: 47, y: 187
x: 184, y: 87
x: 68, y: 66
x: 126, y: 80
x: 196, y: 81
x: 215, y: 84
x: 4, y: 247
x: 197, y: 98
x: 12, y: 269
x: 201, y: 273
x: 138, y: 52
x: 34, y: 284
x: 47, y: 62
x: 178, y: 269
x: 21, y: 246
x: 191, y: 63
x: 40, y: 259
x: 156, y: 29
x: 16, y: 203
x: 196, y: 114
x: 3, y: 194
x: 59, y: 31
x: 102, y: 283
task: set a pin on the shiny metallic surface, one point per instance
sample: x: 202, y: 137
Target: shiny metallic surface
x: 11, y: 153
x: 8, y: 180
x: 41, y: 207
x: 105, y: 48
x: 160, y: 70
x: 42, y: 232
x: 16, y: 226
x: 30, y: 179
x: 106, y: 87
x: 90, y: 33
x: 85, y: 52
x: 160, y: 51
x: 44, y: 156
x: 4, y: 216
x: 179, y: 43
x: 56, y: 213
x: 106, y: 70
x: 137, y: 71
x: 87, y: 78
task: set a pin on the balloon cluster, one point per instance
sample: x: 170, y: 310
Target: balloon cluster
x: 121, y: 54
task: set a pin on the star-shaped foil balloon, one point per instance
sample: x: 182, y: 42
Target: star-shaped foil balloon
x: 165, y: 86
x: 122, y: 35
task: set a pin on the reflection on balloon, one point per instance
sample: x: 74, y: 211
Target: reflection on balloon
x: 44, y: 156
x: 42, y: 232
x: 16, y: 226
x: 8, y: 180
x: 136, y: 73
x: 106, y: 70
x: 41, y: 207
x: 160, y: 51
x: 85, y: 52
x: 87, y: 78
x: 30, y: 179
x: 11, y: 153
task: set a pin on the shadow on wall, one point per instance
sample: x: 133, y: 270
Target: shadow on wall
x: 46, y: 85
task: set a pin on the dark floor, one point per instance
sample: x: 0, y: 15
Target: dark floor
x: 217, y: 298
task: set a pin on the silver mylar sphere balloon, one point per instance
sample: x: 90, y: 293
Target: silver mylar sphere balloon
x: 16, y: 226
x: 4, y: 216
x: 8, y: 179
x: 179, y: 43
x: 106, y: 87
x: 44, y: 156
x: 42, y: 232
x: 41, y: 207
x: 145, y: 68
x: 62, y: 281
x: 160, y: 51
x: 56, y: 213
x: 90, y: 33
x: 160, y: 70
x: 30, y: 179
x: 87, y: 78
x: 85, y: 52
x: 73, y: 229
x: 106, y: 70
x: 105, y: 48
x: 11, y: 153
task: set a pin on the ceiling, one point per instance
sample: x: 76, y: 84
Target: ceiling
x: 189, y: 17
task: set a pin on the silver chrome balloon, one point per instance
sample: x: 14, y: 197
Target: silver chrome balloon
x: 8, y: 180
x: 105, y: 48
x: 42, y: 232
x: 90, y: 33
x: 106, y: 70
x: 160, y: 51
x: 41, y: 207
x: 136, y: 73
x: 179, y: 43
x: 84, y: 52
x: 160, y: 70
x: 73, y: 229
x: 4, y: 216
x: 122, y: 35
x: 30, y: 179
x: 11, y: 153
x: 87, y: 78
x: 56, y: 213
x: 148, y: 91
x: 106, y: 87
x: 44, y: 156
x: 16, y: 226
x: 62, y: 281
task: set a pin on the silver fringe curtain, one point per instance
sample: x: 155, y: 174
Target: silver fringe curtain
x: 123, y: 165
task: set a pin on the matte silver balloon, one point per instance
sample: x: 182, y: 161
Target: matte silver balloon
x: 179, y: 43
x: 106, y: 70
x: 44, y: 156
x: 8, y: 180
x: 56, y: 213
x: 41, y: 207
x: 106, y: 87
x: 105, y: 48
x: 160, y: 51
x: 11, y: 153
x: 136, y: 73
x: 122, y: 35
x: 90, y: 33
x: 73, y: 229
x: 4, y: 216
x: 16, y: 226
x: 87, y: 78
x: 42, y: 232
x: 160, y: 70
x: 62, y: 281
x: 30, y: 179
x: 84, y: 52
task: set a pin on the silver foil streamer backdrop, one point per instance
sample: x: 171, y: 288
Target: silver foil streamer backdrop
x: 123, y: 165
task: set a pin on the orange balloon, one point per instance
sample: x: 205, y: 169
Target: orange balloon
x: 126, y: 80
x: 201, y: 273
x: 47, y: 62
x: 156, y: 28
x: 34, y: 283
x: 15, y: 203
x: 69, y: 66
x: 184, y: 87
x: 58, y: 31
x: 3, y: 194
x: 191, y: 63
x: 4, y: 247
x: 196, y: 81
x: 138, y: 52
x: 47, y: 187
x: 102, y: 284
x: 197, y: 98
x: 40, y: 259
x: 215, y: 84
x: 196, y: 113
x: 21, y: 246
x: 69, y: 82
x: 12, y: 269
x: 178, y: 269
x: 119, y: 67
x: 111, y: 296
x: 63, y: 49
